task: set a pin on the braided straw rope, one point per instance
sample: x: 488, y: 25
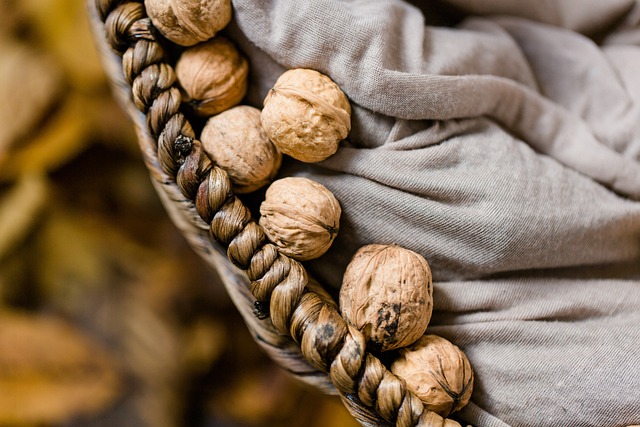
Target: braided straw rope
x: 293, y: 319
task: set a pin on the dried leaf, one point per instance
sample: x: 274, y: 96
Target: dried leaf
x: 152, y: 351
x: 50, y: 372
x: 19, y: 209
x: 111, y: 125
x: 204, y: 342
x: 63, y: 137
x: 331, y: 412
x: 165, y: 353
x: 140, y: 297
x: 10, y: 18
x: 80, y: 256
x: 63, y: 27
x: 30, y: 83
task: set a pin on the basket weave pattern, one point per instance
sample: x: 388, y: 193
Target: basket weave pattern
x: 296, y: 322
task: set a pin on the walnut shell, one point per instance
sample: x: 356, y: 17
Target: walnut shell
x: 300, y: 216
x: 235, y: 141
x: 386, y: 293
x: 188, y: 22
x: 306, y: 115
x: 213, y: 76
x: 437, y: 372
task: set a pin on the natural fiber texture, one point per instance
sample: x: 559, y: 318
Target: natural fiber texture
x: 190, y: 185
x: 505, y: 149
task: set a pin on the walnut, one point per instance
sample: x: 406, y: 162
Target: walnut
x: 306, y: 115
x: 300, y: 216
x: 386, y: 293
x: 188, y: 22
x: 437, y: 372
x: 213, y: 76
x: 235, y: 141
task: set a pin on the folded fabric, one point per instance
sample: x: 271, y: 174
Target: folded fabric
x: 501, y: 140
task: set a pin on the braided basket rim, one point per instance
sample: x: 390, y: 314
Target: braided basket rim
x: 294, y: 320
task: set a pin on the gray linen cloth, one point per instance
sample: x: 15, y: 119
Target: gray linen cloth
x: 501, y: 140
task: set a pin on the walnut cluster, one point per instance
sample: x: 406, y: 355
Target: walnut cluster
x: 306, y: 115
x: 387, y: 294
x: 387, y: 290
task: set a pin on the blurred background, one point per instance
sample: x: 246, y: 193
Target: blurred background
x: 107, y: 318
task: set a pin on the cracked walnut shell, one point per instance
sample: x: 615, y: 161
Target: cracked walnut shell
x: 235, y: 141
x: 306, y: 115
x: 301, y: 217
x: 386, y: 293
x: 212, y: 76
x: 188, y: 22
x: 437, y: 372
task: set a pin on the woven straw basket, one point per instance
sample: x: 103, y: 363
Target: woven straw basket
x: 294, y: 320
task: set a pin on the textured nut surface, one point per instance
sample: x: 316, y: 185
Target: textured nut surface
x: 235, y: 141
x: 386, y: 293
x: 188, y: 22
x: 438, y: 373
x: 306, y: 115
x: 300, y: 216
x: 213, y: 76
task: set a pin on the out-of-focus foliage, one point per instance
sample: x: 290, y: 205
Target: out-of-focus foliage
x: 48, y: 370
x: 107, y: 318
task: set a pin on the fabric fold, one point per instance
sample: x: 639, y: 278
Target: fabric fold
x: 505, y: 148
x: 360, y: 52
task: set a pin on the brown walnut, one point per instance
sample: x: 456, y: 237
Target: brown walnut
x: 212, y: 76
x: 300, y: 216
x: 306, y: 115
x: 386, y: 293
x: 188, y: 22
x: 235, y: 141
x: 437, y: 372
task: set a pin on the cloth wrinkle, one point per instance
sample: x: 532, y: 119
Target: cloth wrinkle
x: 504, y: 148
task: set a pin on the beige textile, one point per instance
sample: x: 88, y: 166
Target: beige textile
x: 501, y: 140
